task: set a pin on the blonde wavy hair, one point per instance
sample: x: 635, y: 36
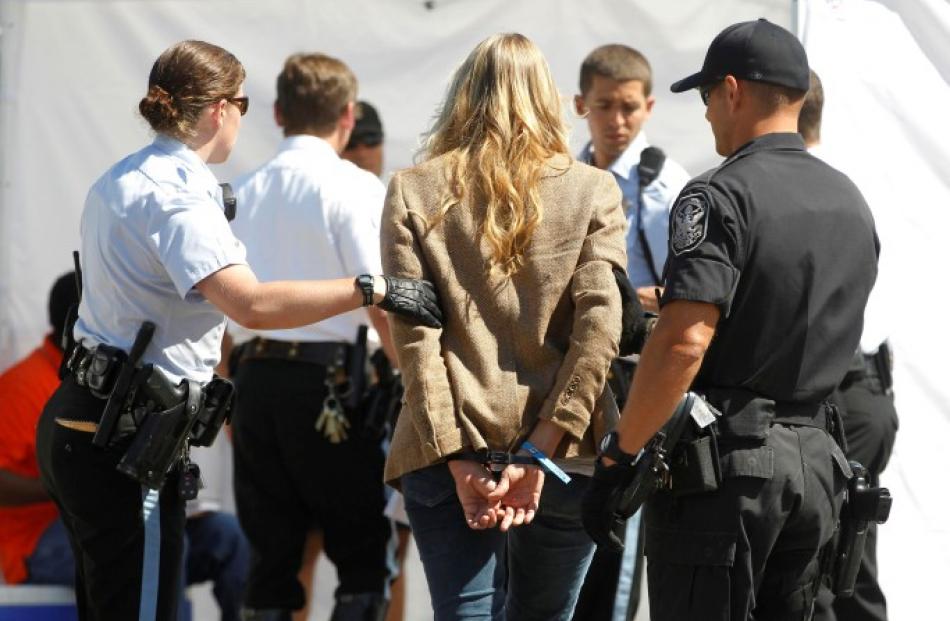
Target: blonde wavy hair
x: 500, y: 122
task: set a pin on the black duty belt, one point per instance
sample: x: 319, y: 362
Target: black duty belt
x: 322, y: 353
x: 746, y: 414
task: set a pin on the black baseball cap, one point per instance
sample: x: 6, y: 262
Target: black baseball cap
x: 760, y: 51
x: 368, y: 129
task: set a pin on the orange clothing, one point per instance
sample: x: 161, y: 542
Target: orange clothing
x: 24, y: 390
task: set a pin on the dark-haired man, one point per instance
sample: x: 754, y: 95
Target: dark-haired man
x: 616, y: 84
x: 302, y: 460
x: 616, y: 98
x: 365, y: 147
x: 774, y: 253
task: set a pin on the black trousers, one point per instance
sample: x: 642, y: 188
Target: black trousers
x: 289, y: 479
x: 870, y: 424
x: 751, y: 549
x: 127, y: 544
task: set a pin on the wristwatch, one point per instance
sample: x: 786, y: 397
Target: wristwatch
x: 365, y: 284
x: 610, y: 448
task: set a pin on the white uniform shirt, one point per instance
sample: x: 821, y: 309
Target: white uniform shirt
x: 152, y: 227
x: 309, y: 214
x: 658, y: 199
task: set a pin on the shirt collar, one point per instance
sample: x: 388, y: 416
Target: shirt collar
x: 784, y: 141
x: 306, y: 142
x: 628, y: 160
x: 190, y: 159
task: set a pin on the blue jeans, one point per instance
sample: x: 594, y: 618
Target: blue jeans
x: 52, y: 561
x: 466, y: 569
x: 216, y: 550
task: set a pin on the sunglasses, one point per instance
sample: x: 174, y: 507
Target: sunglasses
x: 703, y: 93
x: 241, y: 102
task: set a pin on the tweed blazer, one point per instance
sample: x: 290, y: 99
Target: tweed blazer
x: 511, y: 350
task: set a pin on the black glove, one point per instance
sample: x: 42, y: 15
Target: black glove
x: 603, y: 520
x: 634, y: 324
x: 415, y: 300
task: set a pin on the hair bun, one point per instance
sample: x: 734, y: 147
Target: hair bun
x: 158, y: 108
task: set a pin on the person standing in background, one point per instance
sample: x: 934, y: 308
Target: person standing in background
x: 365, y: 149
x: 616, y: 98
x: 365, y: 146
x: 866, y: 399
x: 302, y: 459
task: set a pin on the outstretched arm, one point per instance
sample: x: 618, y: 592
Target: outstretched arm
x: 236, y: 291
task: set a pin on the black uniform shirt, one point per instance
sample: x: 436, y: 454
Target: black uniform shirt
x: 785, y: 246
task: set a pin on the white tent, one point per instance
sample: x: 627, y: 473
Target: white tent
x: 72, y: 72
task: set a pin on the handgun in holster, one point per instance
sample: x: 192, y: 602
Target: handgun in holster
x: 356, y: 371
x: 384, y: 399
x: 884, y: 364
x: 163, y: 431
x: 862, y: 506
x: 214, y: 412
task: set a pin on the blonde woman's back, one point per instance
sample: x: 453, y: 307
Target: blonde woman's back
x: 534, y: 344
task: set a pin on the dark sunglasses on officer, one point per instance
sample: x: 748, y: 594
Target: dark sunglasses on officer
x: 242, y: 103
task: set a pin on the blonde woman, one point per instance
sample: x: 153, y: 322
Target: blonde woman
x: 520, y: 241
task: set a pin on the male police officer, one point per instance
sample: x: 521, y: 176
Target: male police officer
x: 773, y: 253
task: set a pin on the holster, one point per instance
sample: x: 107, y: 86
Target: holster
x: 383, y: 401
x: 862, y: 506
x: 214, y: 411
x: 160, y: 440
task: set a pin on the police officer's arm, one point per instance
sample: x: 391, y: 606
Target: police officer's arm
x: 669, y: 362
x: 257, y: 305
x: 706, y: 255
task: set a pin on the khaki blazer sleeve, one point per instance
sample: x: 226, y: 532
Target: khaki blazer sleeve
x: 595, y: 332
x: 428, y: 397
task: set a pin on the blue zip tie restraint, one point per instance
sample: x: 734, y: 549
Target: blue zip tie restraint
x: 545, y: 462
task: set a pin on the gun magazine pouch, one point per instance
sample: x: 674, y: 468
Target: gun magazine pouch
x: 695, y: 467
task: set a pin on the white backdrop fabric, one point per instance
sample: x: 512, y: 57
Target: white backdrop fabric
x: 885, y: 67
x: 72, y: 72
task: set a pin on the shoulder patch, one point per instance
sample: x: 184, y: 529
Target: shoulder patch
x: 688, y: 221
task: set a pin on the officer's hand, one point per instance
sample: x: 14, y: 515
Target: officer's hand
x: 473, y: 484
x: 415, y: 300
x: 519, y: 490
x: 599, y: 508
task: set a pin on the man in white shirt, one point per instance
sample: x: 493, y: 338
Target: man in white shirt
x: 302, y: 459
x: 616, y: 99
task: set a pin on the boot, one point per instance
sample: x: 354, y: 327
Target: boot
x: 360, y: 607
x: 264, y: 614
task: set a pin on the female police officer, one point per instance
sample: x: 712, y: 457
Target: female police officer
x: 157, y: 248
